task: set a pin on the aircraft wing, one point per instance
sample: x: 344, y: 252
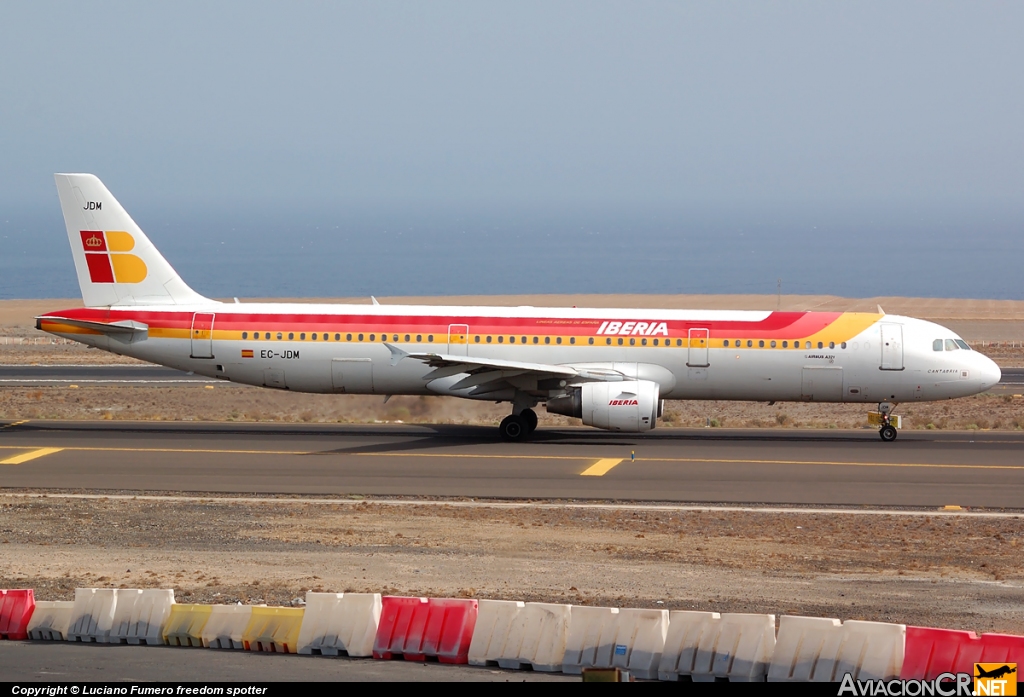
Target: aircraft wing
x: 491, y: 374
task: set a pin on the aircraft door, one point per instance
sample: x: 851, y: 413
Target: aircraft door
x: 698, y: 351
x: 892, y: 346
x: 458, y: 339
x: 352, y: 375
x: 202, y: 335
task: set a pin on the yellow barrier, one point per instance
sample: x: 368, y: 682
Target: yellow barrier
x: 185, y: 624
x: 273, y: 629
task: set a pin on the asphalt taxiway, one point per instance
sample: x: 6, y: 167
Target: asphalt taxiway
x: 823, y: 467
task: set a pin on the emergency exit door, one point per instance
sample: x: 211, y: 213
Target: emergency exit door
x: 458, y: 339
x: 698, y: 351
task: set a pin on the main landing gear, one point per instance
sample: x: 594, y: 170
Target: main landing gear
x: 516, y: 427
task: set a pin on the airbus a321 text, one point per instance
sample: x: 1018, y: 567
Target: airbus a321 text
x: 612, y: 368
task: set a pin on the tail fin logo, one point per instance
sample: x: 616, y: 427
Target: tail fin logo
x: 107, y: 258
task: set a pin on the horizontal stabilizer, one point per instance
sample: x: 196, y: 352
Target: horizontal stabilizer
x: 122, y: 328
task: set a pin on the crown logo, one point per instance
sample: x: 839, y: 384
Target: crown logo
x: 94, y: 241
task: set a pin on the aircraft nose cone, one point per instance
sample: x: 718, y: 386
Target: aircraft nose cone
x: 989, y: 373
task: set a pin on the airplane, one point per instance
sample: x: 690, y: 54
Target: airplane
x: 995, y: 673
x: 611, y: 368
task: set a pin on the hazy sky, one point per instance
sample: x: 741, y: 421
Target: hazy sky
x: 894, y: 110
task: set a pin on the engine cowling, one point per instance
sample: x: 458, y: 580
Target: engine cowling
x: 633, y: 405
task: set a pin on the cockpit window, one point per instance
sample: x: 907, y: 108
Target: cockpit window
x: 962, y: 344
x: 951, y: 345
x: 937, y: 345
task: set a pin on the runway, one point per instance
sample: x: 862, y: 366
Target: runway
x: 41, y: 375
x: 823, y: 467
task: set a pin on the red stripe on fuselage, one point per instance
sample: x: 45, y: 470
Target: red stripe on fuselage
x: 777, y: 325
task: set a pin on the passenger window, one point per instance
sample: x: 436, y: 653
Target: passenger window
x: 773, y: 344
x: 572, y: 340
x: 655, y: 342
x: 535, y: 339
x: 501, y: 340
x: 831, y: 344
x: 558, y: 340
x: 476, y: 339
x: 373, y: 337
x: 937, y: 345
x: 419, y: 338
x: 760, y: 344
x: 962, y: 344
x: 348, y: 337
x: 842, y: 345
x: 724, y: 343
x: 291, y: 336
x: 807, y: 345
x: 632, y: 342
x: 488, y: 339
x: 430, y: 338
x: 245, y: 335
x: 820, y: 345
x: 407, y: 338
x: 591, y: 341
x: 951, y: 345
x: 679, y: 342
x: 608, y: 341
x: 750, y: 343
x: 314, y: 336
x: 279, y: 336
x: 395, y: 338
x: 360, y: 337
x: 547, y: 340
x: 643, y: 342
x: 785, y: 344
x: 620, y: 342
x: 302, y: 336
x: 511, y: 340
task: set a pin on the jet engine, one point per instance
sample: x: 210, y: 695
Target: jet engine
x: 631, y: 406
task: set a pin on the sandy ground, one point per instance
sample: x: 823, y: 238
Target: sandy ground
x: 952, y: 571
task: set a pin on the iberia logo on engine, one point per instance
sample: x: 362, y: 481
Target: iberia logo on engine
x: 623, y: 403
x: 107, y: 258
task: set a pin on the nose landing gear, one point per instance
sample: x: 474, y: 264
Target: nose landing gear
x: 887, y: 422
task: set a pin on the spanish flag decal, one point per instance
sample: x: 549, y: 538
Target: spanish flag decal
x: 106, y: 257
x: 246, y: 353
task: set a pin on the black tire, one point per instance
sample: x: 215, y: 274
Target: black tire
x: 530, y: 416
x: 888, y: 433
x: 513, y: 428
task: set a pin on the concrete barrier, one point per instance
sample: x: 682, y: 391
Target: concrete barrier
x: 225, y: 626
x: 50, y: 620
x: 273, y: 629
x: 339, y: 623
x: 92, y: 615
x: 417, y: 627
x: 686, y: 631
x: 928, y: 652
x: 742, y: 650
x: 806, y: 649
x: 140, y: 615
x: 184, y: 626
x: 15, y: 611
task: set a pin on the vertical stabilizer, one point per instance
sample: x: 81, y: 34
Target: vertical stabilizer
x: 115, y: 261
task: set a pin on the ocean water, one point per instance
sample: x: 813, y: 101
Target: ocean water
x: 436, y: 251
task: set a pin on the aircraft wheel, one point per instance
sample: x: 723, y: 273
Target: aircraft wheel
x: 888, y: 433
x: 530, y: 416
x: 513, y: 428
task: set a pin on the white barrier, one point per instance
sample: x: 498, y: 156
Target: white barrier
x: 498, y: 634
x: 639, y: 641
x: 686, y: 630
x: 226, y: 626
x: 140, y: 616
x: 50, y: 620
x: 545, y: 628
x: 591, y: 638
x: 806, y: 649
x: 339, y: 623
x: 871, y: 650
x: 92, y: 614
x: 743, y: 649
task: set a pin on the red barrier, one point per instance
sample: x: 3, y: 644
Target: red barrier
x: 930, y: 652
x: 419, y: 627
x: 16, y: 608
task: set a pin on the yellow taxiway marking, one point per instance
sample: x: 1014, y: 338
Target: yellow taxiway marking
x: 15, y: 423
x: 601, y: 467
x: 485, y: 456
x: 32, y: 455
